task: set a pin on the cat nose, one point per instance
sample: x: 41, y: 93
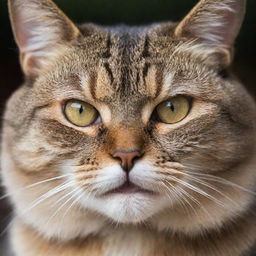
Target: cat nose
x: 127, y: 158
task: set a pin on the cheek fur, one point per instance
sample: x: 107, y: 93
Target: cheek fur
x: 208, y: 144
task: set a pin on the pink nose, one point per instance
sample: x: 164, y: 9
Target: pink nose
x: 127, y: 158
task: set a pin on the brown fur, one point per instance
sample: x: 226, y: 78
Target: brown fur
x: 202, y: 168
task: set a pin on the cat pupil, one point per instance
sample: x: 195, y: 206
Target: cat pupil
x: 170, y: 105
x: 81, y: 110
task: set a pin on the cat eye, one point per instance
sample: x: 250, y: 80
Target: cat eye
x: 80, y: 113
x: 173, y: 110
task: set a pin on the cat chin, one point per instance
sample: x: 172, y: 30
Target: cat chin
x: 128, y: 208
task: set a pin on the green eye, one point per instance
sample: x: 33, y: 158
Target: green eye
x: 80, y: 113
x: 173, y: 110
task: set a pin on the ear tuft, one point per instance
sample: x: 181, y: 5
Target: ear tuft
x: 213, y: 22
x: 39, y: 27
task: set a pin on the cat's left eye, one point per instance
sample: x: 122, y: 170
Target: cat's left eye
x: 173, y: 110
x: 80, y: 113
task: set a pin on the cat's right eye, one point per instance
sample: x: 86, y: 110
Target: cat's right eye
x: 80, y: 113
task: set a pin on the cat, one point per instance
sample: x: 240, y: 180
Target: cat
x: 129, y: 141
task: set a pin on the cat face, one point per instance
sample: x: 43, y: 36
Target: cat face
x: 128, y: 124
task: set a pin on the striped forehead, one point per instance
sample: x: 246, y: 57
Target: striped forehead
x: 126, y: 71
x: 101, y: 88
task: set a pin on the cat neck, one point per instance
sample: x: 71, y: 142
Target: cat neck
x: 141, y: 241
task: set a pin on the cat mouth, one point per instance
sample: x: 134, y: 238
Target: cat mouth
x: 129, y: 188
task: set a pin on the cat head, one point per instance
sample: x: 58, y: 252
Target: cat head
x: 127, y: 124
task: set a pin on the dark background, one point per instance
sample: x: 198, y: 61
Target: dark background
x: 129, y: 12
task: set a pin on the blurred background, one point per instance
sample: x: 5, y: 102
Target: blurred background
x: 122, y: 11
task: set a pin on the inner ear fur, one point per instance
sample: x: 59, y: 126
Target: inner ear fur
x: 214, y: 24
x: 39, y: 27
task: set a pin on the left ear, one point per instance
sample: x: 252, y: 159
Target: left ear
x: 215, y: 23
x: 40, y: 29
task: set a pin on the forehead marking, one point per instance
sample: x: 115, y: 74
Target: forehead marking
x: 103, y: 84
x: 167, y: 84
x: 85, y: 84
x: 101, y: 107
x: 109, y: 72
x: 162, y: 90
x: 153, y: 81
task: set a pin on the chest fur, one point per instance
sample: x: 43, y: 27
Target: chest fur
x: 134, y: 242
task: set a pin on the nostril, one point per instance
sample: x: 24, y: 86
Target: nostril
x: 127, y: 158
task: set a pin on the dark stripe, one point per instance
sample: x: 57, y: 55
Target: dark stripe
x: 93, y: 84
x: 125, y: 81
x: 159, y: 80
x: 138, y: 77
x: 107, y: 54
x: 109, y: 71
x: 145, y: 52
x: 33, y: 113
x: 145, y: 71
x: 61, y: 135
x: 125, y: 48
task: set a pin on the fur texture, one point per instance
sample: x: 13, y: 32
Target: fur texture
x: 200, y: 171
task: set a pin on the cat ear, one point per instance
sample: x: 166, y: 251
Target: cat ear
x: 39, y: 27
x: 216, y: 23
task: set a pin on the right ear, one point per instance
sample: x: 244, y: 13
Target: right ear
x: 39, y: 26
x: 215, y: 23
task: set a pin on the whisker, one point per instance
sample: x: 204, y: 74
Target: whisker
x: 39, y: 200
x: 193, y: 199
x: 172, y: 191
x: 62, y: 198
x: 33, y: 185
x: 76, y: 199
x: 198, y: 190
x: 50, y: 193
x: 218, y: 191
x: 206, y: 184
x: 71, y: 205
x: 178, y: 196
x: 223, y: 181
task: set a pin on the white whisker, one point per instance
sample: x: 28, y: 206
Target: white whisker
x: 222, y: 181
x: 39, y: 200
x: 198, y: 190
x: 77, y: 198
x: 206, y: 184
x: 34, y: 185
x: 62, y: 198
